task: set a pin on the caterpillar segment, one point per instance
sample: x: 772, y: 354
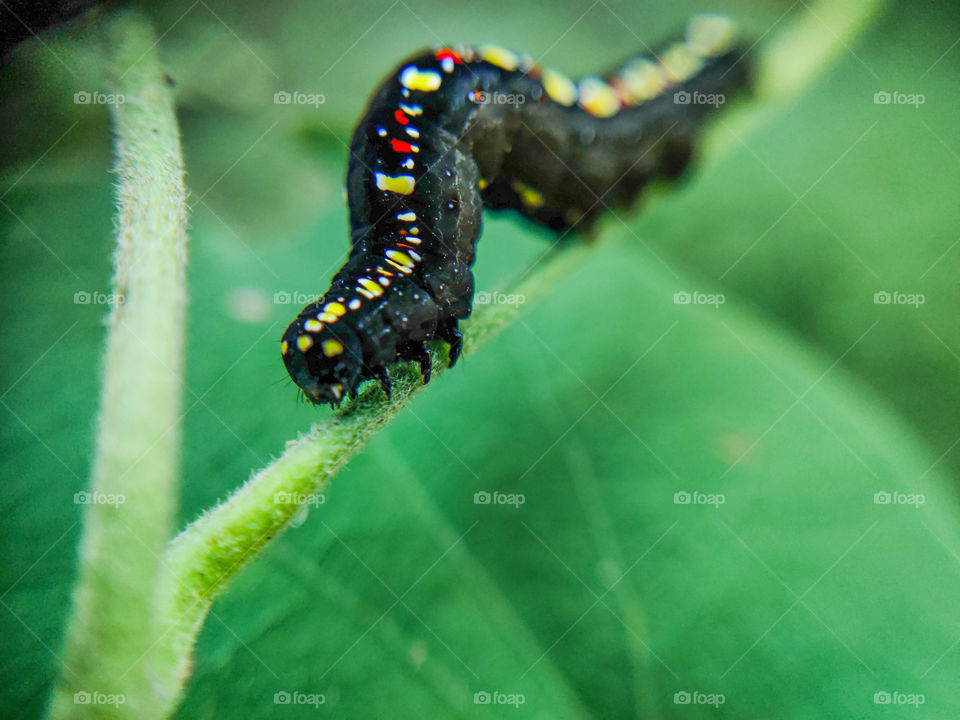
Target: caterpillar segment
x: 454, y: 131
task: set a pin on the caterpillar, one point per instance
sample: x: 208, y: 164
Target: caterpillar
x: 455, y: 130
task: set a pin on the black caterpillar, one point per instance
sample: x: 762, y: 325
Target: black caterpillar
x: 456, y: 130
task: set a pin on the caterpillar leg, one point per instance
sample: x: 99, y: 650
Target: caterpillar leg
x: 417, y: 352
x: 449, y: 332
x: 512, y: 194
x: 426, y: 364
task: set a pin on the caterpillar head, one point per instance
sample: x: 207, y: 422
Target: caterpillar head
x: 324, y: 361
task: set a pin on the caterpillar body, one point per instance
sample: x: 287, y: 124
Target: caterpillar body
x: 457, y: 130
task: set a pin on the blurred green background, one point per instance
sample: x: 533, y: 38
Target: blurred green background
x: 797, y: 399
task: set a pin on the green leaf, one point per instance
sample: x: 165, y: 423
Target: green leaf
x: 877, y: 215
x: 692, y: 597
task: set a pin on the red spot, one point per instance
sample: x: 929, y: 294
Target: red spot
x: 401, y: 118
x: 448, y: 53
x: 404, y: 232
x: 400, y: 244
x: 400, y: 146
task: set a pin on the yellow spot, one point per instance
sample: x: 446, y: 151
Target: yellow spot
x: 409, y: 216
x: 331, y: 347
x: 304, y: 342
x: 414, y: 78
x: 313, y: 325
x: 598, y: 98
x: 643, y: 80
x: 402, y: 268
x: 411, y: 110
x: 354, y: 304
x: 337, y: 391
x: 402, y: 184
x: 680, y: 62
x: 370, y: 286
x: 482, y: 184
x: 559, y: 87
x: 709, y: 34
x: 284, y: 346
x: 529, y: 196
x: 335, y: 308
x: 414, y: 230
x: 327, y: 317
x: 499, y: 56
x: 400, y: 257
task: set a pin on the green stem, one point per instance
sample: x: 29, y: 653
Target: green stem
x: 207, y: 554
x: 129, y: 518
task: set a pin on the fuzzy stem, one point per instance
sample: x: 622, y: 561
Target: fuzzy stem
x: 213, y: 549
x: 130, y: 505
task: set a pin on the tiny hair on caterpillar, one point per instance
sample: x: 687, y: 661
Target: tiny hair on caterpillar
x: 457, y: 130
